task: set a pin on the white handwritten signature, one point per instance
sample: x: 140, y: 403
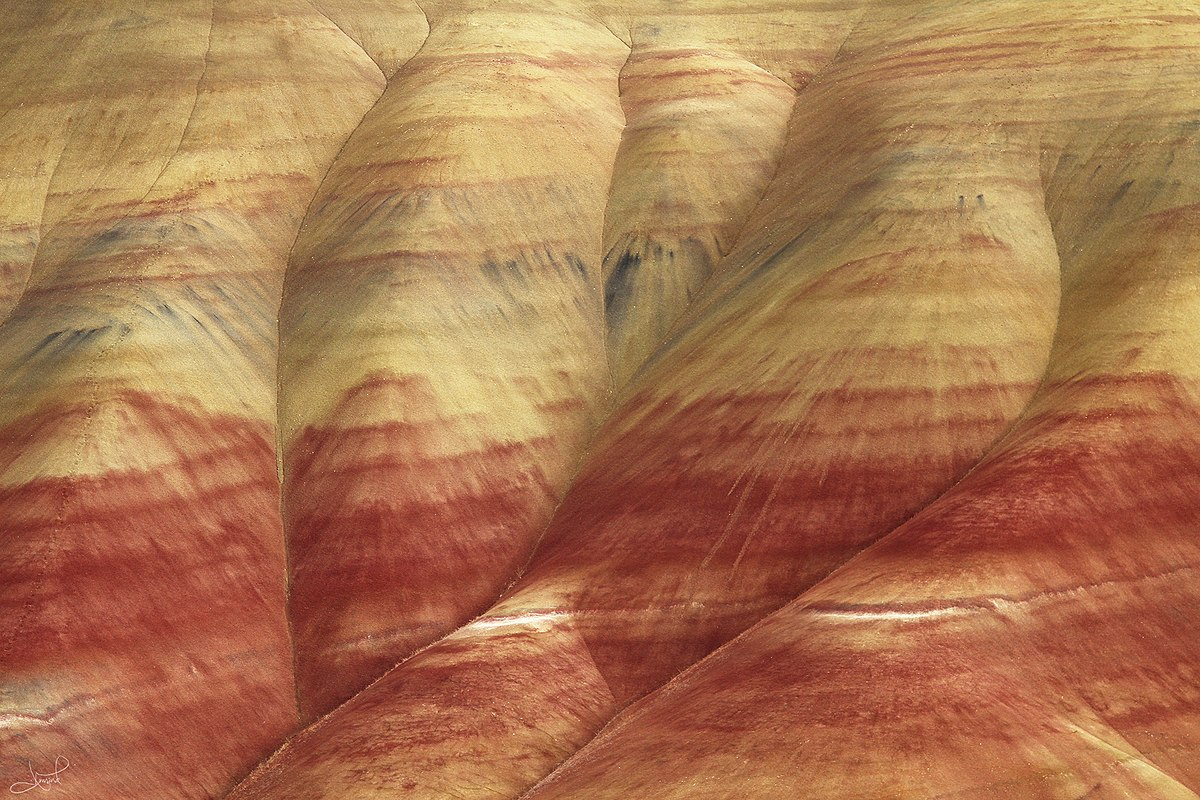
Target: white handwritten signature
x: 41, y: 780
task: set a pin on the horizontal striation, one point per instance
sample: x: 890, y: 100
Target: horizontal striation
x: 1027, y: 633
x: 189, y: 639
x: 692, y: 116
x: 950, y: 646
x: 665, y: 400
x: 145, y: 637
x: 443, y: 337
x: 804, y: 408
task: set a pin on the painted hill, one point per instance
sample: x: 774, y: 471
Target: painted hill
x: 600, y: 400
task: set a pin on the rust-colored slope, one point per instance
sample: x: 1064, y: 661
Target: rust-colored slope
x: 442, y: 337
x: 1030, y: 634
x: 842, y: 378
x: 444, y: 325
x: 143, y: 637
x: 655, y: 321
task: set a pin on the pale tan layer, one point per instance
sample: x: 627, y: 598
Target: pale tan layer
x: 771, y: 276
x: 702, y: 138
x: 447, y: 254
x: 143, y: 635
x: 851, y: 359
x: 1028, y: 635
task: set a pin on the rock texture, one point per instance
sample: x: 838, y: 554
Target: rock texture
x: 143, y: 635
x: 600, y: 400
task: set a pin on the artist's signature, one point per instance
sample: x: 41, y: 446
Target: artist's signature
x: 41, y: 780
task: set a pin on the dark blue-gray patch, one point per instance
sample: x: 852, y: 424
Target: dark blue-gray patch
x: 64, y: 342
x: 1121, y: 191
x: 619, y: 287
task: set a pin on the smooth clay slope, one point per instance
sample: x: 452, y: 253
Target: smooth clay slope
x: 569, y: 400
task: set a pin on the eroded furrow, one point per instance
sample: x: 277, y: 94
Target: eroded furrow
x: 442, y: 355
x: 848, y: 380
x: 143, y: 632
x: 1084, y: 511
